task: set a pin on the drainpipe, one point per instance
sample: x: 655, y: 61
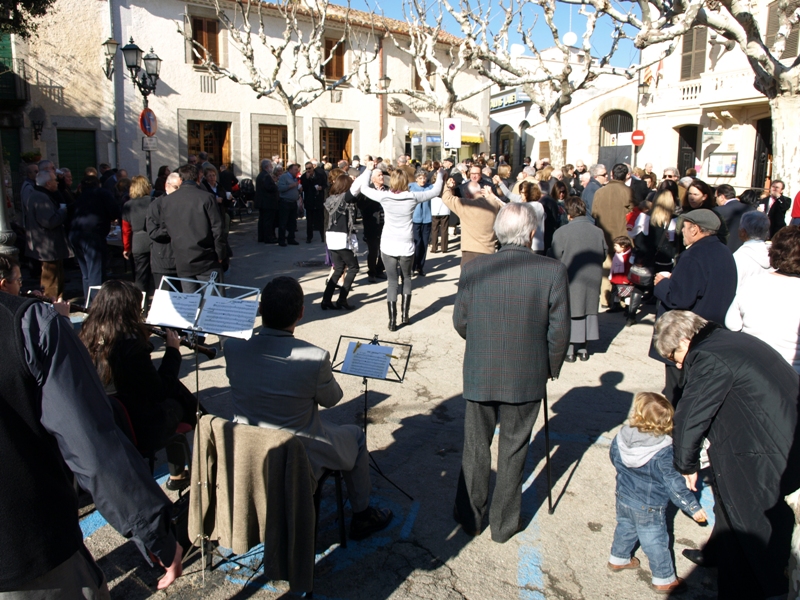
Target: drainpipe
x: 383, y: 96
x: 114, y: 134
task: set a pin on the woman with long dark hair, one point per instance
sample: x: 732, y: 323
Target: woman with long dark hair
x: 156, y: 400
x: 397, y: 241
x: 340, y: 238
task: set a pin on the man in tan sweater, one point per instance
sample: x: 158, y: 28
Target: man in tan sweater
x: 477, y: 213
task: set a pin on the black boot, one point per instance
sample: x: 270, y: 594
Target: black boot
x: 406, y: 306
x: 327, y: 296
x: 392, y: 315
x: 636, y: 301
x: 342, y: 301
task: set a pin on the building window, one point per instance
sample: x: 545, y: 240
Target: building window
x: 334, y: 68
x: 773, y: 24
x: 335, y: 144
x: 544, y: 150
x: 206, y: 33
x: 418, y: 80
x: 693, y: 59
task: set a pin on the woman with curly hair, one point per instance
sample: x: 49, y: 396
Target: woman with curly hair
x: 155, y: 399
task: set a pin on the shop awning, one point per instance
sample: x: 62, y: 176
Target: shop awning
x: 471, y: 138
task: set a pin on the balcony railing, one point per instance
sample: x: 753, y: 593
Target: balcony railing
x: 13, y: 82
x: 711, y: 88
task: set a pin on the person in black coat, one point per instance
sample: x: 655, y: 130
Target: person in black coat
x: 742, y: 396
x: 95, y: 208
x: 313, y: 197
x: 155, y: 400
x: 267, y: 203
x: 162, y: 259
x: 703, y: 281
x: 196, y: 230
x: 731, y: 211
x: 775, y: 206
x: 372, y: 217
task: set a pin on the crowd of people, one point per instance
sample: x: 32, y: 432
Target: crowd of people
x: 551, y: 248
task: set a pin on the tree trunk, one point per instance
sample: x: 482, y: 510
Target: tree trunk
x: 556, y: 140
x: 291, y: 132
x: 785, y: 152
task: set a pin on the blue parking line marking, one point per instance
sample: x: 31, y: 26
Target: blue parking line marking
x: 530, y: 577
x: 409, y: 523
x: 92, y: 523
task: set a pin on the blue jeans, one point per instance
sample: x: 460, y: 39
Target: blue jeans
x: 91, y: 256
x: 648, y: 525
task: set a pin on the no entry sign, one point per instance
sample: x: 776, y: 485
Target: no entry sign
x: 148, y: 122
x: 637, y: 137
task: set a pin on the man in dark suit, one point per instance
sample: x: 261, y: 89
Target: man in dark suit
x: 730, y: 211
x: 775, y: 206
x: 196, y: 231
x: 512, y: 300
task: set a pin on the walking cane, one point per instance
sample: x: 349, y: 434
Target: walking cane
x: 547, y: 456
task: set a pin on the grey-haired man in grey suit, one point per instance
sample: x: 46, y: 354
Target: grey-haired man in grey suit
x: 279, y: 381
x: 512, y: 307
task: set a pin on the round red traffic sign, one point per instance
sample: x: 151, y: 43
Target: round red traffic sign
x: 637, y: 137
x: 148, y: 122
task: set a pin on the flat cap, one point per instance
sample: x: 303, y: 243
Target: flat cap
x: 703, y: 217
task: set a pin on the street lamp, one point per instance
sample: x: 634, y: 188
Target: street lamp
x: 644, y: 88
x: 144, y: 80
x: 111, y: 46
x: 384, y: 82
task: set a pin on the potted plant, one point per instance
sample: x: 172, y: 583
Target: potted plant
x: 32, y: 156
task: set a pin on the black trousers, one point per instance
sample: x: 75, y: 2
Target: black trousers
x: 342, y: 258
x: 157, y: 277
x: 422, y: 236
x: 266, y: 224
x: 315, y: 217
x: 374, y: 260
x: 143, y: 276
x: 516, y: 424
x: 287, y: 218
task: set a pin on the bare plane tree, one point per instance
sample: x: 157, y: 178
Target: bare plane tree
x: 660, y: 21
x: 551, y: 78
x: 438, y: 58
x: 295, y: 70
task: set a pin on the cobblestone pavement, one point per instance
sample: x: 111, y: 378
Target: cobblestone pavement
x: 415, y: 435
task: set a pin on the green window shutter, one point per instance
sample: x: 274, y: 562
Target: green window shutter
x: 77, y: 150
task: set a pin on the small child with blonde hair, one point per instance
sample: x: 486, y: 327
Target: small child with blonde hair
x: 646, y: 482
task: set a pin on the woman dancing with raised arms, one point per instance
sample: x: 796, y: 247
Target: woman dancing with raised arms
x: 397, y: 240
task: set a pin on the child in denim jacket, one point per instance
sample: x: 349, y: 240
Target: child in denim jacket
x: 646, y: 482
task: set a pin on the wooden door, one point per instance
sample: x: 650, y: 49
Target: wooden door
x: 213, y: 137
x: 273, y: 140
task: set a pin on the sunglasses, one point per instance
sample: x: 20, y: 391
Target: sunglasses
x: 670, y: 176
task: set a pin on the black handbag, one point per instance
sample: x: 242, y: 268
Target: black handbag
x: 640, y: 276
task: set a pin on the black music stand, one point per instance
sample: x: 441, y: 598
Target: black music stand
x: 392, y: 375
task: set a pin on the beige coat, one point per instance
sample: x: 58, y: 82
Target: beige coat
x: 256, y: 487
x: 477, y: 221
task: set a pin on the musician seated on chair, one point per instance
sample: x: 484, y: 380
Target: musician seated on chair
x: 156, y: 401
x: 279, y: 381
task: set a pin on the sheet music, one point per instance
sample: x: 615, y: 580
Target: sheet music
x: 174, y: 309
x: 367, y: 360
x: 228, y: 317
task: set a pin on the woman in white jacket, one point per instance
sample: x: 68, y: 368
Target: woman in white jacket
x: 397, y: 239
